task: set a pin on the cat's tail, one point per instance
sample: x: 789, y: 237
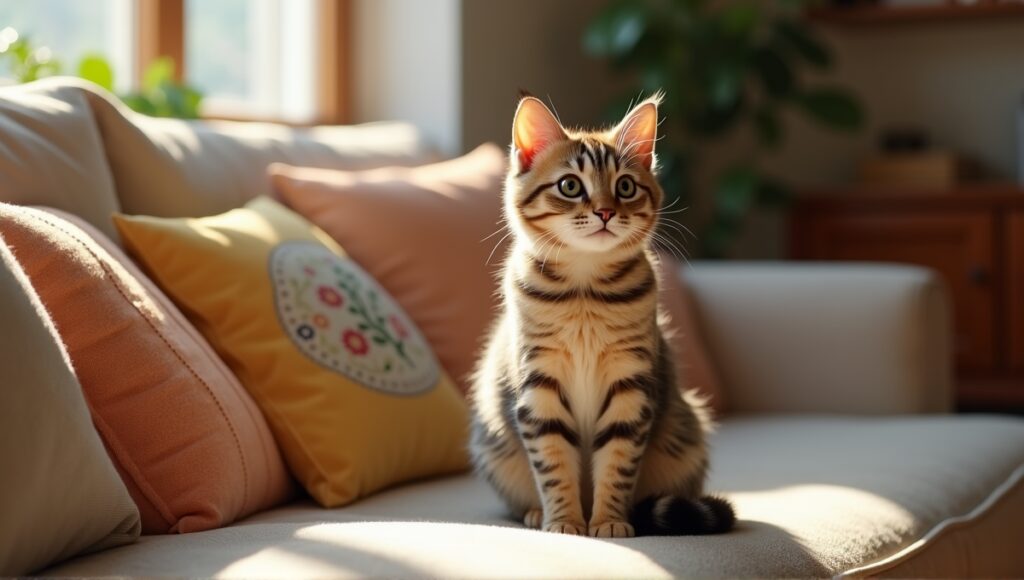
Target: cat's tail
x: 680, y: 516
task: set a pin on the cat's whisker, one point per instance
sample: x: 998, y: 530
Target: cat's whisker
x: 503, y: 227
x: 677, y: 226
x: 495, y: 248
x: 670, y: 245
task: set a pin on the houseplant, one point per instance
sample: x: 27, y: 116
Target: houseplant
x: 158, y: 95
x: 724, y: 67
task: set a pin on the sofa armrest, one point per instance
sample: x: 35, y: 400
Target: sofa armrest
x: 806, y: 337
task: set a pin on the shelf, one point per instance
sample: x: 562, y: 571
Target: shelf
x: 874, y: 14
x: 870, y: 197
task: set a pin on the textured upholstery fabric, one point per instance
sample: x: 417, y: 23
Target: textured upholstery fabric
x: 815, y: 496
x: 190, y: 444
x: 983, y: 543
x: 51, y: 153
x: 356, y: 404
x: 174, y: 168
x: 59, y: 493
x: 827, y: 338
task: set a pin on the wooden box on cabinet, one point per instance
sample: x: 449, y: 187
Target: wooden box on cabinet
x: 973, y: 237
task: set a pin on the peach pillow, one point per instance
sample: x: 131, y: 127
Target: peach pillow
x: 189, y: 443
x: 427, y: 234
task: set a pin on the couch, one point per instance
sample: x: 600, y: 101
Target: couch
x: 840, y: 451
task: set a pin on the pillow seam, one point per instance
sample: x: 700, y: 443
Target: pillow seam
x: 181, y: 359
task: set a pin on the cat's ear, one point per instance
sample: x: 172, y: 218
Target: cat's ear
x: 636, y: 134
x: 533, y: 129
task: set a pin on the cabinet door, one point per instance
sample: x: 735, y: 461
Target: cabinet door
x: 1015, y: 294
x: 956, y: 244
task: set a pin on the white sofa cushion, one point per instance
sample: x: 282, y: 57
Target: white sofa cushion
x: 827, y: 338
x: 816, y: 496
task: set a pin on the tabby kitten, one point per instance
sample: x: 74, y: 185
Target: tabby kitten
x: 577, y: 421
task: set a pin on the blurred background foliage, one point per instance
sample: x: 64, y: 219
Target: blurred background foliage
x: 159, y: 94
x: 724, y: 66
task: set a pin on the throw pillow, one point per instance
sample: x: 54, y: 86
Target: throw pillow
x: 60, y: 496
x: 352, y: 390
x: 189, y: 442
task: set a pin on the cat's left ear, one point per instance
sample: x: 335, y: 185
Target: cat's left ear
x: 636, y: 134
x: 533, y: 129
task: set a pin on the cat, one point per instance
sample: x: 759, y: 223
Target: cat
x: 577, y: 420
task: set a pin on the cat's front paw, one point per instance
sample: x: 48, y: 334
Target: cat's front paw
x: 565, y: 527
x: 611, y: 530
x: 533, y: 519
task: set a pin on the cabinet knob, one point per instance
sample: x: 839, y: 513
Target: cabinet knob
x: 978, y: 275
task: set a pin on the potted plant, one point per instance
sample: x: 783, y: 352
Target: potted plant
x: 723, y: 67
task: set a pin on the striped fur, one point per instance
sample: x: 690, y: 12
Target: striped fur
x: 577, y: 421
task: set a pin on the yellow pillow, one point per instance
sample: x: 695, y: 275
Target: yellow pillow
x: 353, y: 392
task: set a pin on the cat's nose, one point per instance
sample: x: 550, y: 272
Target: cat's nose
x: 605, y: 213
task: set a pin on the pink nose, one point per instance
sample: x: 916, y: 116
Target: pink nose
x: 605, y: 214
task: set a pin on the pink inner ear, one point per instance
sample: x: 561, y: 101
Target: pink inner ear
x: 637, y: 134
x: 525, y: 160
x: 533, y: 130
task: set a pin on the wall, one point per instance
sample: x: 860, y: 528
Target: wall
x: 963, y: 81
x: 454, y: 67
x: 407, y: 66
x: 534, y: 45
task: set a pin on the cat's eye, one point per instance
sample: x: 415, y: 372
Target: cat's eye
x: 570, y: 186
x: 625, y: 187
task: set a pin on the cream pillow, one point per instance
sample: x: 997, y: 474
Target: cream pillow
x: 59, y: 493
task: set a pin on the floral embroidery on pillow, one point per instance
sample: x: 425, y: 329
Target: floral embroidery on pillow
x: 337, y: 315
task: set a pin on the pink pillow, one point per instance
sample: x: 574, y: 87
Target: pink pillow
x: 427, y: 234
x: 189, y: 443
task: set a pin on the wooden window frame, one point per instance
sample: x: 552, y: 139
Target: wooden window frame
x: 160, y: 32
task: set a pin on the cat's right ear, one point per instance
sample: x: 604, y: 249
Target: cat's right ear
x: 533, y: 129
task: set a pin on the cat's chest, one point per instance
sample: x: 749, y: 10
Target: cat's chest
x: 584, y: 334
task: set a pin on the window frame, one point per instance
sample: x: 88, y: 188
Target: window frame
x: 160, y: 32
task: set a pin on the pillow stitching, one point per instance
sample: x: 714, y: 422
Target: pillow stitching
x: 181, y: 359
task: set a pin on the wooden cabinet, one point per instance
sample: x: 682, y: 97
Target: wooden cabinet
x: 1014, y: 298
x: 973, y: 238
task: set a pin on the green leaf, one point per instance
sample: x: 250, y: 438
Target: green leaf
x: 769, y: 131
x: 773, y: 72
x: 139, y: 104
x: 160, y: 72
x: 739, y: 20
x: 736, y: 191
x: 380, y: 340
x: 834, y: 107
x: 617, y: 29
x: 802, y: 41
x: 95, y: 68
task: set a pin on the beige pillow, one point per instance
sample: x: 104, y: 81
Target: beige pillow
x: 59, y: 493
x: 176, y: 168
x: 51, y: 153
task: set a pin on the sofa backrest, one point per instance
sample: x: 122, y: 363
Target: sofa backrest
x: 69, y: 144
x: 51, y: 153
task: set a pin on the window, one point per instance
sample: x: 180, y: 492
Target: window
x: 265, y: 59
x: 254, y: 58
x: 67, y: 30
